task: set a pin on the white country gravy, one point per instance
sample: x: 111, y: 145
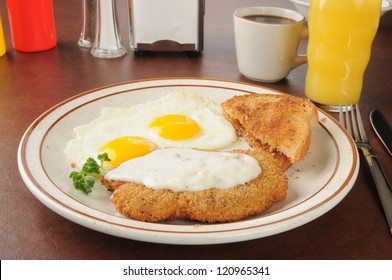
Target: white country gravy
x: 180, y: 169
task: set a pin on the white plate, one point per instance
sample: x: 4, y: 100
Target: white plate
x: 316, y: 184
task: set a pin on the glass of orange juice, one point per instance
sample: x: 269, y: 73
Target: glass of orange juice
x: 340, y: 38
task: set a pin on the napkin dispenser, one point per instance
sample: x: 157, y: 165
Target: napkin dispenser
x: 166, y: 25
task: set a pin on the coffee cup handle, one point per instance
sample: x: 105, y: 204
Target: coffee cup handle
x: 301, y: 58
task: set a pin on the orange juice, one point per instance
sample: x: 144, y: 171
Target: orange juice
x: 340, y: 38
x: 2, y: 42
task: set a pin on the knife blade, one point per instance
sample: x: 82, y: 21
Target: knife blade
x: 382, y: 129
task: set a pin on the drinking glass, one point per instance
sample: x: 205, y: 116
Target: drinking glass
x: 340, y: 38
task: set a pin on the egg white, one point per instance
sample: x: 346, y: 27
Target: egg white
x: 215, y: 131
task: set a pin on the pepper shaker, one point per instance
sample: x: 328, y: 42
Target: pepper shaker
x: 107, y: 43
x: 89, y: 15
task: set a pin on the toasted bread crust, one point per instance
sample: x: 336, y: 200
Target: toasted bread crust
x: 278, y: 123
x: 211, y: 205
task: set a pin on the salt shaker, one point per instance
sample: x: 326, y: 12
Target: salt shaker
x: 107, y: 43
x: 32, y: 25
x: 89, y: 15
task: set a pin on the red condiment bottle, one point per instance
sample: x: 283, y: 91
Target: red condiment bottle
x: 32, y: 25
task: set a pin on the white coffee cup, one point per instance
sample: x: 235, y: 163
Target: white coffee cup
x: 267, y: 52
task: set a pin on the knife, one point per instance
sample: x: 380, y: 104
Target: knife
x: 382, y: 129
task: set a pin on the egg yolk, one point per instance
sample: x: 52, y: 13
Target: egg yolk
x: 126, y: 148
x: 175, y: 127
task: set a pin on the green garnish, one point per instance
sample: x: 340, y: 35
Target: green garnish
x: 84, y: 179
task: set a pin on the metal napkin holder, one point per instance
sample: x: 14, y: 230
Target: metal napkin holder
x: 166, y: 25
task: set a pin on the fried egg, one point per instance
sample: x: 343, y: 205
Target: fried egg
x: 125, y: 148
x: 180, y: 119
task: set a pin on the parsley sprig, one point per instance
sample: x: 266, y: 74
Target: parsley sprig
x: 84, y: 179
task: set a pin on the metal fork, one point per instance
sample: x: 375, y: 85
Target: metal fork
x: 350, y: 118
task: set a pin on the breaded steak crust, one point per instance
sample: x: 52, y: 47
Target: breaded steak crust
x: 211, y: 205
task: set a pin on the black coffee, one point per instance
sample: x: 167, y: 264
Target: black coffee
x: 269, y: 19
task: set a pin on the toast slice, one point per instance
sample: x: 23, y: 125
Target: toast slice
x: 278, y: 123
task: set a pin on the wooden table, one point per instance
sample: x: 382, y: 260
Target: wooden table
x: 31, y: 83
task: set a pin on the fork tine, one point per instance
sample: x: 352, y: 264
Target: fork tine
x: 341, y: 118
x: 360, y: 126
x: 344, y: 118
x: 355, y: 119
x: 348, y: 121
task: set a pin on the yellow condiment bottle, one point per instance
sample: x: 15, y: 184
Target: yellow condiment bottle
x: 340, y: 38
x: 2, y: 42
